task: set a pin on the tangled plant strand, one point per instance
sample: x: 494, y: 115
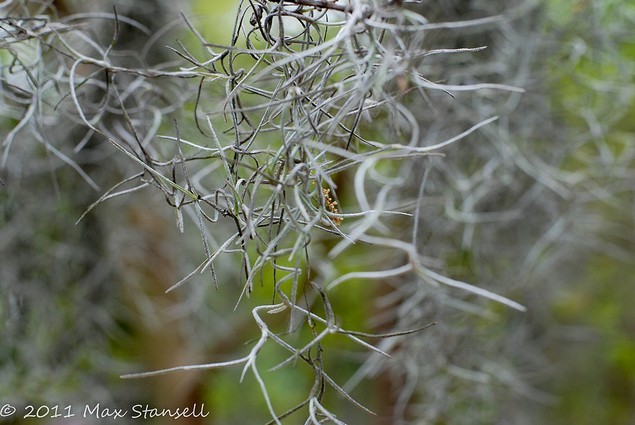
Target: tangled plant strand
x: 311, y: 91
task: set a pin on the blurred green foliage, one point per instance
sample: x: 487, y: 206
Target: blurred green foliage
x: 593, y: 89
x: 590, y: 88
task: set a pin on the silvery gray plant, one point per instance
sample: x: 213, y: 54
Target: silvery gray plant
x: 417, y: 135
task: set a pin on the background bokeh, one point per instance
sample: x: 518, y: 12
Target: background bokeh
x: 538, y: 207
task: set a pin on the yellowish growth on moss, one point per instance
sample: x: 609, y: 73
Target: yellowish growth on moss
x: 331, y: 206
